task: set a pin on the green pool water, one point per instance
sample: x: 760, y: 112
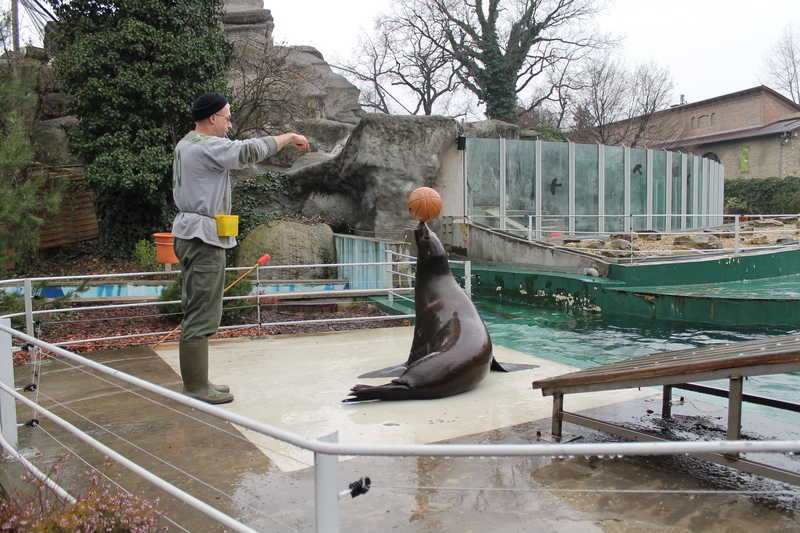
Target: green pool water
x: 584, y: 340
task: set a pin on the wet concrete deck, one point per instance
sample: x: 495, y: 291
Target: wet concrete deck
x: 297, y: 383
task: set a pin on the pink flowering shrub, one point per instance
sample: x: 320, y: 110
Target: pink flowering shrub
x: 99, y: 509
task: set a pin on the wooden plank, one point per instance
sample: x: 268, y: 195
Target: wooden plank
x: 74, y: 222
x: 774, y: 351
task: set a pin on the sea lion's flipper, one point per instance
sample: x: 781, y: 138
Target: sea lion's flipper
x: 510, y: 367
x: 389, y: 391
x: 389, y: 372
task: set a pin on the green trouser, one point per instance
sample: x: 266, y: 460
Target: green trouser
x: 203, y: 269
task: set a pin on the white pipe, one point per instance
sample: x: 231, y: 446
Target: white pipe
x: 38, y: 474
x: 434, y: 450
x: 190, y: 500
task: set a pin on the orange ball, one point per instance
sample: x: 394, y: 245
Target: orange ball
x: 424, y: 204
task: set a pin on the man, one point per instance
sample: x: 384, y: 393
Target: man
x: 202, y: 189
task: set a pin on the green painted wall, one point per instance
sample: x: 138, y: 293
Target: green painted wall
x: 713, y: 270
x: 638, y: 290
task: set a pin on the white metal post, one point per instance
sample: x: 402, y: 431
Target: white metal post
x: 28, y: 298
x: 539, y: 189
x: 627, y: 190
x: 684, y: 188
x: 601, y: 189
x: 468, y: 278
x: 502, y: 207
x: 650, y: 179
x: 387, y: 253
x: 326, y: 491
x: 8, y: 406
x: 571, y: 179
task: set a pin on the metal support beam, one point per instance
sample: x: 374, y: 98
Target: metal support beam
x: 735, y: 408
x: 666, y: 402
x: 558, y: 409
x: 728, y: 459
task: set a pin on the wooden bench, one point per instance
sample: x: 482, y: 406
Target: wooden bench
x: 679, y: 370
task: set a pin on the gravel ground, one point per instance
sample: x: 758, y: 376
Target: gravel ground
x: 750, y: 235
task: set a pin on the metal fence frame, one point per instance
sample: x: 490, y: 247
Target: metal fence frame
x: 326, y: 449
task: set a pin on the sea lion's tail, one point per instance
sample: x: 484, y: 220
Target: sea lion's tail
x: 390, y: 391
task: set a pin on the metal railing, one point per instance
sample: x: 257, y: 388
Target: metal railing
x: 736, y: 228
x: 398, y: 282
x: 326, y: 449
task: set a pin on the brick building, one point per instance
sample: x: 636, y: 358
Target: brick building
x: 753, y: 133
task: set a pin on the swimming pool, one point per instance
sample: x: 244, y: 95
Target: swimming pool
x: 133, y: 290
x: 585, y: 339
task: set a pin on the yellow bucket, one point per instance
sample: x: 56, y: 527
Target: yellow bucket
x: 227, y: 225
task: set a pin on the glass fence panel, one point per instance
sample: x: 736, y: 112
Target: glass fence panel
x: 659, y: 190
x: 677, y: 181
x: 555, y: 185
x: 615, y: 189
x: 691, y: 221
x: 520, y: 184
x: 705, y: 190
x: 587, y: 187
x: 638, y: 177
x: 483, y: 181
x: 680, y: 198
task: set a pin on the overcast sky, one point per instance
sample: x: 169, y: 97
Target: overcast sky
x: 712, y: 47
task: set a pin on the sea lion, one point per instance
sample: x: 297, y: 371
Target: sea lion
x: 451, y: 351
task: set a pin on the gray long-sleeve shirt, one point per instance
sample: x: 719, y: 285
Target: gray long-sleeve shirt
x: 202, y: 184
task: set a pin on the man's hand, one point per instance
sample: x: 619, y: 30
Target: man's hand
x: 299, y: 141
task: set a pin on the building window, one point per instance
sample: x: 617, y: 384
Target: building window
x: 745, y: 159
x: 712, y: 156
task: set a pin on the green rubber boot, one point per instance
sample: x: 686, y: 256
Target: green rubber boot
x: 194, y: 371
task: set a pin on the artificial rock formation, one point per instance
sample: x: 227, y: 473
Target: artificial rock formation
x: 385, y: 158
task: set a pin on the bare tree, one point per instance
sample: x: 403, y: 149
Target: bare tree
x: 551, y: 102
x: 782, y: 63
x: 370, y: 70
x: 620, y: 105
x: 501, y: 47
x: 402, y: 69
x: 267, y: 88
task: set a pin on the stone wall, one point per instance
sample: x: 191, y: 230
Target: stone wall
x: 765, y: 155
x: 743, y: 109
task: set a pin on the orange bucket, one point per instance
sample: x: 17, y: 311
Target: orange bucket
x: 164, y: 250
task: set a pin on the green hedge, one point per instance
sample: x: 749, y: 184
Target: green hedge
x: 769, y: 196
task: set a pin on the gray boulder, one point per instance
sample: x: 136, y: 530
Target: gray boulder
x: 767, y: 223
x: 700, y: 242
x: 385, y: 158
x: 50, y: 142
x: 491, y: 129
x: 247, y: 20
x: 290, y: 243
x: 757, y: 240
x: 619, y: 248
x: 331, y: 95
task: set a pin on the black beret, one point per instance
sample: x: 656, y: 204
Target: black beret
x: 207, y: 105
